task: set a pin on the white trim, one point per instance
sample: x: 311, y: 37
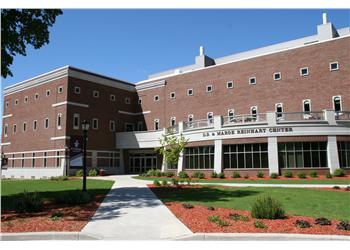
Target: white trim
x: 211, y: 90
x: 251, y: 78
x: 7, y: 116
x: 59, y: 118
x: 229, y: 82
x: 274, y: 76
x: 156, y: 121
x: 93, y: 122
x: 188, y: 94
x: 303, y: 104
x: 308, y: 72
x: 70, y: 103
x: 37, y: 151
x: 59, y: 138
x: 5, y: 144
x: 341, y: 103
x: 156, y: 97
x: 130, y: 113
x: 47, y: 91
x: 190, y: 116
x: 330, y: 66
x: 152, y: 85
x: 171, y: 120
x: 172, y: 93
x: 211, y: 114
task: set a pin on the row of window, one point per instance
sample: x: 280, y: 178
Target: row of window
x: 96, y: 94
x: 34, y: 157
x: 36, y: 96
x: 252, y: 81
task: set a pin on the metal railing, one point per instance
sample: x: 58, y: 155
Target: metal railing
x: 172, y: 129
x: 204, y: 123
x: 342, y: 115
x: 242, y: 119
x: 301, y: 116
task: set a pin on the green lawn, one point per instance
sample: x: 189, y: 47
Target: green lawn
x: 48, y: 189
x: 296, y: 201
x: 273, y: 181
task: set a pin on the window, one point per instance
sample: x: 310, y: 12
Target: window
x: 304, y: 71
x: 190, y: 118
x: 302, y: 154
x: 127, y: 100
x: 277, y: 76
x: 129, y: 127
x: 279, y: 110
x: 199, y: 157
x: 45, y: 160
x: 190, y: 92
x: 344, y: 154
x: 210, y: 117
x: 247, y: 156
x: 96, y: 94
x: 229, y: 85
x: 77, y: 90
x: 13, y: 160
x: 60, y: 89
x: 16, y: 102
x: 36, y: 96
x: 22, y: 161
x: 76, y: 121
x: 14, y: 128
x: 209, y: 88
x: 94, y: 123
x: 5, y: 130
x: 307, y: 106
x: 172, y: 95
x: 231, y: 115
x: 112, y: 98
x: 46, y: 124
x: 112, y: 126
x: 172, y: 121
x: 140, y: 126
x: 59, y: 120
x: 7, y: 104
x: 254, y: 112
x: 47, y: 93
x: 252, y: 80
x: 25, y: 99
x: 139, y: 101
x: 333, y: 66
x: 156, y: 98
x: 57, y: 158
x: 35, y: 124
x: 24, y: 126
x: 156, y: 124
x: 33, y: 160
x: 337, y: 105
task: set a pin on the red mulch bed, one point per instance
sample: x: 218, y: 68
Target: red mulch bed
x: 196, y: 219
x: 74, y: 218
x: 321, y: 177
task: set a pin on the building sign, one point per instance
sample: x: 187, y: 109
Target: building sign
x: 76, y: 152
x: 264, y: 131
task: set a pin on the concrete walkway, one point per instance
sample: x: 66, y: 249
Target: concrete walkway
x: 132, y: 212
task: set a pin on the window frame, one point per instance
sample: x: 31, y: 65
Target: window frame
x: 156, y: 121
x: 16, y: 102
x: 330, y: 66
x: 250, y: 80
x: 14, y: 128
x: 25, y: 100
x: 301, y: 71
x: 303, y: 105
x: 76, y: 115
x: 188, y: 92
x: 47, y: 92
x: 6, y: 127
x: 279, y: 115
x: 156, y: 98
x: 112, y: 98
x: 96, y: 94
x: 173, y: 118
x: 340, y: 103
x: 274, y: 76
x: 60, y: 89
x: 93, y: 123
x: 211, y: 88
x: 24, y: 127
x: 110, y: 127
x: 230, y: 118
x: 36, y: 96
x: 46, y: 123
x: 77, y: 90
x: 172, y: 95
x: 227, y: 85
x: 59, y: 121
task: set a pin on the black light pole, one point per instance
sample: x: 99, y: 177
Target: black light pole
x: 85, y: 127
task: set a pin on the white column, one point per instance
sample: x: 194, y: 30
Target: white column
x: 180, y: 163
x: 271, y: 118
x: 218, y: 156
x: 332, y: 154
x: 94, y: 159
x: 181, y: 127
x: 272, y: 147
x: 329, y: 116
x: 64, y: 167
x: 217, y: 122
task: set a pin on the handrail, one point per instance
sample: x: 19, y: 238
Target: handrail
x: 300, y: 116
x: 245, y: 118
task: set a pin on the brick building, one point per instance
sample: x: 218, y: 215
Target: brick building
x: 284, y: 106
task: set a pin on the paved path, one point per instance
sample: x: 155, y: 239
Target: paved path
x: 132, y: 212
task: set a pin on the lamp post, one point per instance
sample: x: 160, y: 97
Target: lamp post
x: 85, y: 127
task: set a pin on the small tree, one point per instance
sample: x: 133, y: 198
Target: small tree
x: 171, y: 147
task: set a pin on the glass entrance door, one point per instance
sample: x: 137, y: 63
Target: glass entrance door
x: 141, y: 163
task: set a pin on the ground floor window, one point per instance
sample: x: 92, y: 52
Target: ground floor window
x: 114, y: 159
x: 302, y: 154
x: 245, y: 156
x: 142, y: 162
x: 199, y: 157
x: 344, y: 154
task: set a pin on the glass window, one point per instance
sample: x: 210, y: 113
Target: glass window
x: 156, y: 98
x: 14, y: 128
x: 209, y: 88
x: 337, y: 103
x: 277, y: 76
x: 190, y: 92
x: 60, y: 89
x: 229, y: 85
x: 333, y: 66
x: 46, y: 123
x: 304, y: 71
x: 59, y: 120
x: 252, y: 80
x: 112, y: 98
x: 24, y: 126
x: 76, y: 121
x: 279, y: 110
x: 94, y: 123
x: 96, y: 93
x: 306, y: 106
x: 172, y: 95
x: 199, y: 157
x: 156, y: 124
x: 76, y: 90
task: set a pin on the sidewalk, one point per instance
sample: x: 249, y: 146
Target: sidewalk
x: 132, y: 212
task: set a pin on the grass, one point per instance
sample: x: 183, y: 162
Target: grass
x: 273, y: 181
x: 48, y: 189
x: 296, y: 201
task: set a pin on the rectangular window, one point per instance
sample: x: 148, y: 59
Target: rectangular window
x: 344, y: 154
x: 127, y: 100
x: 13, y: 161
x: 302, y: 154
x: 252, y: 80
x: 156, y: 124
x: 94, y: 123
x: 16, y: 102
x: 231, y: 115
x: 60, y: 89
x: 172, y: 95
x: 76, y: 121
x: 229, y: 85
x: 245, y: 156
x: 36, y: 96
x: 199, y: 157
x: 47, y: 93
x: 25, y: 99
x: 96, y: 94
x: 279, y: 110
x: 337, y: 105
x: 22, y: 161
x: 333, y: 66
x: 59, y: 120
x: 307, y: 108
x: 156, y: 98
x: 210, y: 117
x: 58, y: 159
x: 209, y: 88
x: 35, y: 125
x: 24, y: 126
x: 172, y: 121
x: 45, y: 160
x: 5, y: 130
x: 112, y: 126
x: 77, y: 90
x: 33, y: 160
x: 7, y: 104
x: 304, y: 71
x: 190, y: 92
x: 254, y: 112
x: 128, y: 127
x: 46, y: 123
x: 14, y: 128
x: 277, y: 76
x: 112, y: 98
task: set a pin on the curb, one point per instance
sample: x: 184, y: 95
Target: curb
x: 46, y: 236
x: 259, y: 237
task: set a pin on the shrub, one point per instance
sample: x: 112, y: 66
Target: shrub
x: 154, y: 172
x: 213, y: 218
x: 313, y: 174
x: 59, y: 178
x: 339, y: 173
x: 211, y: 208
x: 174, y: 182
x: 93, y: 172
x: 164, y: 183
x: 214, y: 175
x: 259, y: 224
x: 267, y: 208
x: 288, y: 174
x: 156, y: 183
x: 216, y: 219
x: 323, y: 221
x: 198, y: 175
x: 329, y: 176
x: 79, y: 173
x: 343, y: 225
x: 169, y: 174
x: 237, y: 217
x: 301, y: 175
x: 221, y: 175
x: 183, y: 174
x: 302, y: 224
x: 56, y: 216
x: 236, y: 175
x: 347, y: 188
x: 273, y: 176
x: 260, y: 174
x: 187, y: 205
x: 73, y: 197
x: 28, y: 202
x: 336, y: 187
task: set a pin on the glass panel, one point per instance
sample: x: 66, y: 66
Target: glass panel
x: 306, y: 145
x: 263, y: 147
x: 241, y: 148
x: 248, y: 160
x: 299, y: 159
x: 315, y: 159
x: 234, y: 161
x: 314, y: 145
x: 256, y: 160
x: 264, y: 160
x: 307, y: 159
x: 248, y: 147
x: 323, y: 158
x: 241, y: 160
x: 291, y: 160
x: 256, y: 147
x: 282, y: 160
x: 298, y: 146
x: 226, y: 161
